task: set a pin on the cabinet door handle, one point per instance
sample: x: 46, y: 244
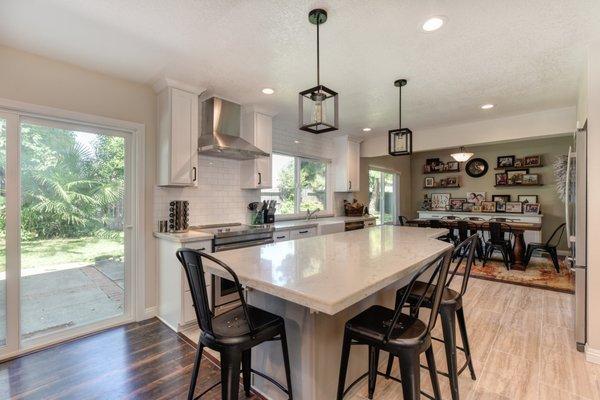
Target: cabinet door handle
x: 202, y: 249
x: 195, y: 174
x: 259, y: 178
x: 303, y: 232
x: 280, y: 237
x: 349, y: 184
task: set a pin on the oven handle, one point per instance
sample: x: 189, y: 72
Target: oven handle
x: 233, y: 246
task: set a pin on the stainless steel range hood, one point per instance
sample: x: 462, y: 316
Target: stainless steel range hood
x: 220, y: 132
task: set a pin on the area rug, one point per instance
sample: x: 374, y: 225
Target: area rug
x: 540, y: 273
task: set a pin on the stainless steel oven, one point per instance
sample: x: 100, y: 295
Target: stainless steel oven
x: 230, y: 237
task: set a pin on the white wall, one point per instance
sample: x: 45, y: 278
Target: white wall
x: 37, y: 80
x: 518, y: 127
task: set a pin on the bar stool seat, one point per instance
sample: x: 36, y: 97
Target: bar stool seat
x: 449, y: 296
x: 374, y: 322
x: 232, y: 327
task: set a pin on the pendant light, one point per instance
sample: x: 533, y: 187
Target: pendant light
x: 462, y: 155
x: 400, y: 140
x: 318, y: 106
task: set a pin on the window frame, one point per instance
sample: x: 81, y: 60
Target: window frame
x: 298, y: 189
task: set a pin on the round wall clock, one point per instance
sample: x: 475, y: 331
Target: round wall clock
x: 477, y: 167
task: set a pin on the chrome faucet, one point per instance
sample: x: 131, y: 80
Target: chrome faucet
x: 312, y: 214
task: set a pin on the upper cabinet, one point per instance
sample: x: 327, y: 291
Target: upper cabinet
x: 346, y: 164
x: 257, y: 129
x: 177, y: 145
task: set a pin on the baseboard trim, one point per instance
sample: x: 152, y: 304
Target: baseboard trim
x: 592, y: 355
x: 150, y: 312
x: 167, y: 324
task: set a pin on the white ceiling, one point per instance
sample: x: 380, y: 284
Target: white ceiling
x: 520, y: 55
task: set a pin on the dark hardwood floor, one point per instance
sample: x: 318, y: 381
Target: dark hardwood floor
x: 143, y: 360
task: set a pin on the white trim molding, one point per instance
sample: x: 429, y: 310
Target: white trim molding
x: 592, y: 355
x: 150, y: 312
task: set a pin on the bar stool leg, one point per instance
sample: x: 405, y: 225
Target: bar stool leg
x: 449, y: 331
x: 195, y: 371
x: 373, y: 365
x: 435, y: 384
x: 246, y: 370
x: 343, y: 365
x: 460, y: 316
x: 286, y: 362
x: 230, y: 375
x: 390, y: 364
x: 410, y: 375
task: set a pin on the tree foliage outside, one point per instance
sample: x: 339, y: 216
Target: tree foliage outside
x: 72, y: 183
x: 312, y: 188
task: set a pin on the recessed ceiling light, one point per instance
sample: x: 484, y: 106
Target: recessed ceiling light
x: 433, y: 24
x: 296, y: 141
x: 366, y: 129
x: 268, y: 91
x: 487, y: 106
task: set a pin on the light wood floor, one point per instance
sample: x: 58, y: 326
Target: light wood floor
x: 523, y: 345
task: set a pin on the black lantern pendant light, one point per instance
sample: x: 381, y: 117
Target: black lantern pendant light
x: 318, y: 106
x: 400, y: 140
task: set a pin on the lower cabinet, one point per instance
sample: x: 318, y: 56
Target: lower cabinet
x: 370, y: 222
x: 302, y: 233
x: 175, y: 305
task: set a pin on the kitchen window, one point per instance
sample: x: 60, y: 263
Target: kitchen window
x: 299, y: 184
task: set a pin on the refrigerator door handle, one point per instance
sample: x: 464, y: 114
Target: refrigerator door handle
x: 567, y: 199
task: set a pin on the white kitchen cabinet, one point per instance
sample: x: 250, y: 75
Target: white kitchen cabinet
x: 257, y: 129
x: 281, y: 236
x: 346, y: 164
x: 370, y: 222
x: 177, y: 147
x: 175, y: 305
x: 302, y: 233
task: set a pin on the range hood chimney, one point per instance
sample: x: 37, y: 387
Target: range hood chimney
x: 220, y: 132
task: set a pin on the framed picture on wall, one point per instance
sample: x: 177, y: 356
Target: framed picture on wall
x: 467, y: 207
x: 515, y: 207
x: 457, y: 204
x: 506, y: 161
x: 440, y: 201
x: 501, y: 179
x: 531, y: 179
x: 531, y: 208
x: 528, y: 198
x: 515, y: 177
x: 532, y: 161
x: 488, y: 206
x: 429, y: 182
x: 476, y: 197
x: 452, y: 181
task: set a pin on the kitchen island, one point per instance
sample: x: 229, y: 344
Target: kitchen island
x: 316, y: 284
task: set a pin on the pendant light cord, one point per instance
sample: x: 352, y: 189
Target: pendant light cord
x: 400, y: 107
x: 318, y: 64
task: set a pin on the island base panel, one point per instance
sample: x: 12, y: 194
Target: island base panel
x: 315, y: 344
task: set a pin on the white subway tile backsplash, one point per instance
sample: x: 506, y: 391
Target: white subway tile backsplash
x: 218, y: 197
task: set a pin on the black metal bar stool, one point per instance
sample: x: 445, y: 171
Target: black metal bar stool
x: 450, y: 310
x: 404, y: 336
x: 233, y: 334
x: 550, y: 247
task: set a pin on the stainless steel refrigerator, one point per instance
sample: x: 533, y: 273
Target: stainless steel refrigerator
x: 576, y: 219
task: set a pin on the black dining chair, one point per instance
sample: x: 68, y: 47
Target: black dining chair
x: 550, y: 247
x: 233, y: 334
x: 402, y: 335
x: 439, y: 224
x: 501, y: 219
x: 402, y: 220
x: 474, y: 230
x: 451, y: 310
x: 500, y: 239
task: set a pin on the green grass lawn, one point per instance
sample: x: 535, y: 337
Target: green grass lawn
x: 61, y: 251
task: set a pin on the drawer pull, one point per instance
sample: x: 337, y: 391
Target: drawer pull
x: 280, y: 237
x: 202, y: 249
x: 303, y: 232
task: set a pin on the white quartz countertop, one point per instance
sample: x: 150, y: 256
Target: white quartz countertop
x: 332, y: 272
x: 302, y: 223
x: 186, y: 237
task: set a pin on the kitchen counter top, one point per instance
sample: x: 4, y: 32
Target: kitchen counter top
x: 186, y: 237
x: 302, y: 223
x: 331, y: 273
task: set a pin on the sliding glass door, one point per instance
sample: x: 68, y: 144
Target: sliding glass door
x: 72, y: 227
x: 383, y: 196
x: 65, y: 230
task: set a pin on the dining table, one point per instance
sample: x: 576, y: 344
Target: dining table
x: 516, y: 227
